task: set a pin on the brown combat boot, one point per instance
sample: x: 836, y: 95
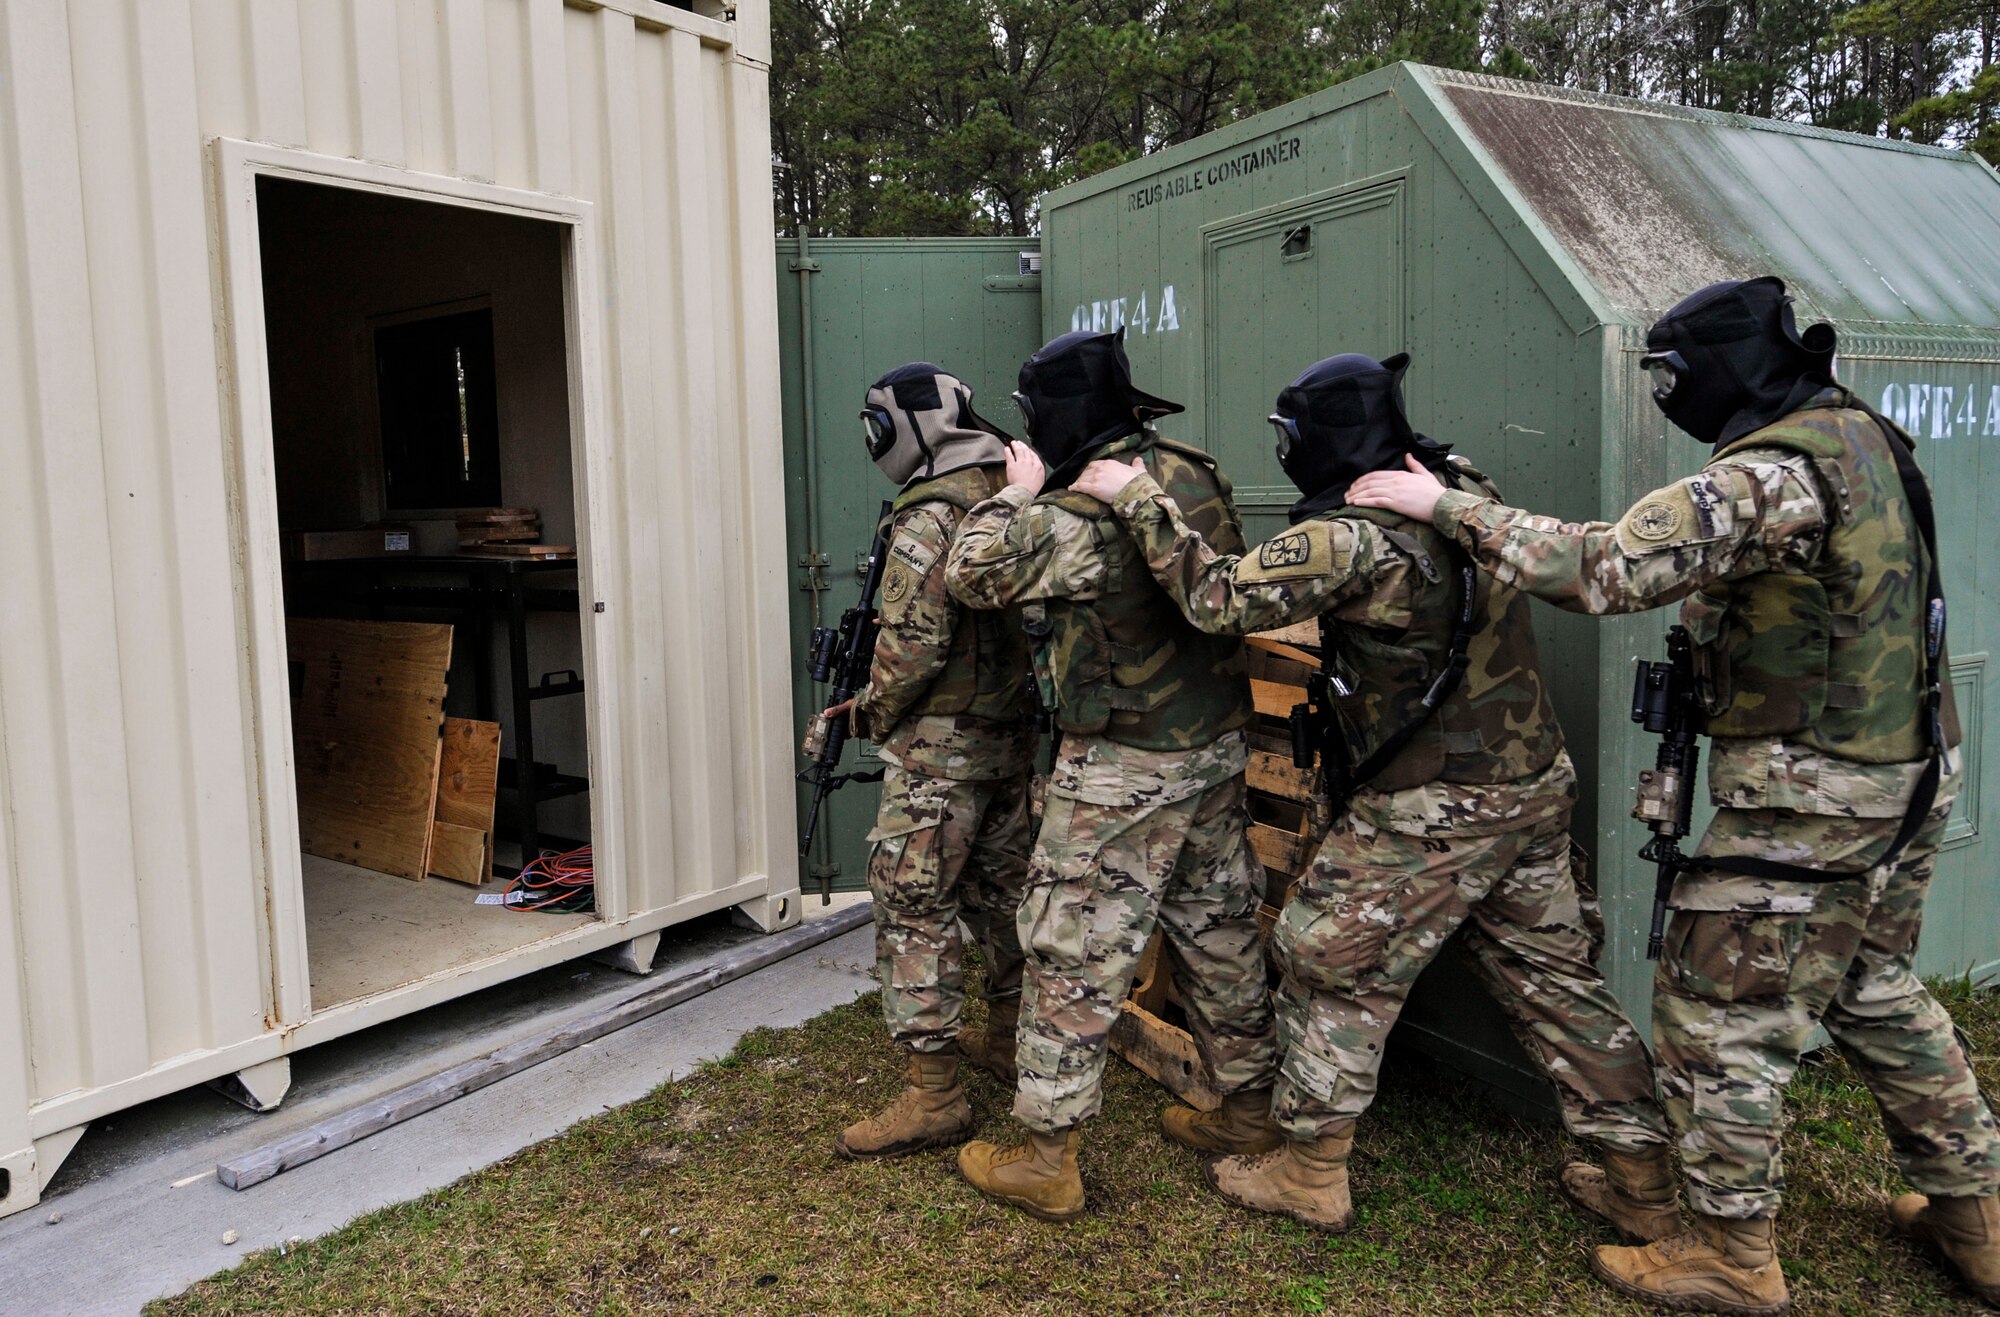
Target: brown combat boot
x: 1634, y: 1191
x: 1241, y: 1125
x: 992, y: 1050
x: 931, y: 1113
x: 1040, y: 1176
x: 1722, y: 1265
x: 1305, y: 1180
x: 1965, y: 1230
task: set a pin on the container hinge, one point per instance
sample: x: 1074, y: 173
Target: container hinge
x: 815, y: 569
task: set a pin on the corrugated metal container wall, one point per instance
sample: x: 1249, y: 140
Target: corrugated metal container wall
x: 1517, y: 239
x: 149, y: 882
x: 859, y: 307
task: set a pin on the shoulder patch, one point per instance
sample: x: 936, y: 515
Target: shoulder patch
x: 1691, y: 511
x: 896, y: 584
x: 1297, y: 554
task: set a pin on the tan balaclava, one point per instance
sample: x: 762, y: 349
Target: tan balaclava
x: 919, y: 425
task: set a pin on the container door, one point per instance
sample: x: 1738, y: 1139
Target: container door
x: 1286, y: 286
x: 848, y: 312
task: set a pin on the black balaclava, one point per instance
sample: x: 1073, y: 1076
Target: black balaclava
x: 1349, y: 414
x: 919, y: 424
x: 1732, y: 359
x: 1077, y: 396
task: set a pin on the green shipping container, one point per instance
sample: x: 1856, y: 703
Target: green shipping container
x: 848, y: 310
x: 1517, y: 240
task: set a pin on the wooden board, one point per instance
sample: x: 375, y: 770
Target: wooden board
x: 458, y: 853
x: 1287, y: 852
x: 1274, y: 699
x: 468, y: 780
x: 520, y: 551
x: 1164, y: 1052
x: 1303, y: 634
x: 1149, y: 985
x: 376, y: 1114
x: 1282, y: 650
x: 1277, y: 775
x: 365, y: 722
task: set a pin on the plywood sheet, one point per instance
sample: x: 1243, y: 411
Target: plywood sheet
x: 367, y: 707
x: 458, y: 853
x: 469, y: 778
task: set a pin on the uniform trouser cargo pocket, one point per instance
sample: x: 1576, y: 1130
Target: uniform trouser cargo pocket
x: 1334, y: 949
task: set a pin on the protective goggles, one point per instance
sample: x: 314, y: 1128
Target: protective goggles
x: 1667, y: 370
x: 881, y: 430
x: 1027, y: 413
x: 1288, y: 434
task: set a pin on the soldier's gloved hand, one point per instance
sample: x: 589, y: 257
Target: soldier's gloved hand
x: 1105, y: 479
x: 1024, y: 467
x: 1414, y: 493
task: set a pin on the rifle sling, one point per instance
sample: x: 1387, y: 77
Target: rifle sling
x: 1918, y: 491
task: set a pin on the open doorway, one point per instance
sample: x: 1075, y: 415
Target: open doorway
x: 421, y: 444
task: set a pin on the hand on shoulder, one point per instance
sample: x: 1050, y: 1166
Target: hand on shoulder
x: 1105, y: 479
x: 1413, y: 492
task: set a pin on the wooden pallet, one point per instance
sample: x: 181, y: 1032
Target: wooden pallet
x: 1281, y: 835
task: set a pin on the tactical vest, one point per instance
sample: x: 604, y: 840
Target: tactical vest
x: 1497, y: 726
x: 1832, y: 658
x: 985, y: 673
x: 1127, y: 664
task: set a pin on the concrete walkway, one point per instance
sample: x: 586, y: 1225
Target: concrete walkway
x: 140, y: 1212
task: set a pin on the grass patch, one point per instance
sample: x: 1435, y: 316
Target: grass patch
x: 719, y: 1193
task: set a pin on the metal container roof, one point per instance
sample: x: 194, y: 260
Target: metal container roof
x: 1651, y: 200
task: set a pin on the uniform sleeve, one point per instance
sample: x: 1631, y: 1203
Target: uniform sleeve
x: 1298, y: 575
x: 1759, y: 512
x: 1013, y: 550
x: 917, y: 617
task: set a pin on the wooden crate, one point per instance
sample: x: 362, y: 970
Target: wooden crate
x: 1283, y: 838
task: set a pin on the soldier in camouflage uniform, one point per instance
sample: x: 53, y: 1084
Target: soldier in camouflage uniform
x: 947, y: 698
x: 1797, y: 554
x: 1463, y: 821
x: 1144, y: 821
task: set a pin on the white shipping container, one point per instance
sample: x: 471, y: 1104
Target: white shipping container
x: 209, y: 212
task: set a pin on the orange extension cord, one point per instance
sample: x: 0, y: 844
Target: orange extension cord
x: 564, y: 883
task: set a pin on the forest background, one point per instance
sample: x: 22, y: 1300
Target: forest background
x: 950, y: 117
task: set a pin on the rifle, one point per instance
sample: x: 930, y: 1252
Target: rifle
x: 842, y: 656
x: 1664, y: 703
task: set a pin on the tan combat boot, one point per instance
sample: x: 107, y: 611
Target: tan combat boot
x: 1242, y: 1124
x: 1634, y: 1191
x: 1722, y: 1265
x: 1965, y: 1230
x: 931, y: 1113
x: 1305, y: 1180
x: 1040, y: 1176
x: 993, y: 1049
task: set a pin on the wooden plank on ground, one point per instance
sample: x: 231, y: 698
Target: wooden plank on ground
x: 365, y: 738
x: 469, y: 779
x: 377, y: 1114
x: 1277, y: 775
x: 1165, y: 1053
x: 458, y: 853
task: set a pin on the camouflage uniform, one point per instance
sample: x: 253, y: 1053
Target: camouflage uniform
x: 1144, y: 822
x: 1808, y: 510
x: 947, y: 698
x: 1466, y: 826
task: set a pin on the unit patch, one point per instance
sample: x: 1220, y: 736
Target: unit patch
x: 1286, y: 551
x: 1293, y: 556
x: 1655, y: 520
x: 895, y: 585
x: 1690, y: 512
